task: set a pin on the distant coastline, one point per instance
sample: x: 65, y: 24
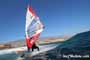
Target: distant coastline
x: 20, y: 43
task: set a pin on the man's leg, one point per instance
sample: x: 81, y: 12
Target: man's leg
x: 28, y: 49
x: 37, y: 48
x: 33, y: 47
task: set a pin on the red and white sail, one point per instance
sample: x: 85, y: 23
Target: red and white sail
x: 33, y: 27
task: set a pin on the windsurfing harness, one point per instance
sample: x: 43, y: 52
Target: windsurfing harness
x: 33, y: 27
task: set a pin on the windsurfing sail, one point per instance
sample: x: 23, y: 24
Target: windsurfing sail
x: 33, y: 27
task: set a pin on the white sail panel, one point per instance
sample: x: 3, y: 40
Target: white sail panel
x: 29, y: 19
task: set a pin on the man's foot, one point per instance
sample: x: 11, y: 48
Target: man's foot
x: 22, y: 55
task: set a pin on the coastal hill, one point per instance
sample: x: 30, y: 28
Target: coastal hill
x: 21, y: 42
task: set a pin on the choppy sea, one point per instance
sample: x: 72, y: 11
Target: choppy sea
x: 75, y: 48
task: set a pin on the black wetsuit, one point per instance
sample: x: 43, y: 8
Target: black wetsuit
x: 35, y: 47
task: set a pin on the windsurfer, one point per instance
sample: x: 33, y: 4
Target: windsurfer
x: 34, y: 27
x: 30, y: 41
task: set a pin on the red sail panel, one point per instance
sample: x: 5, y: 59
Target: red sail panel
x: 31, y: 41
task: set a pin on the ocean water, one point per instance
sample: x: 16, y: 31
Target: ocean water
x: 8, y: 57
x: 55, y: 54
x: 13, y: 56
x: 75, y: 48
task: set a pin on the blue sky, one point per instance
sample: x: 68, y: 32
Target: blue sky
x: 60, y: 17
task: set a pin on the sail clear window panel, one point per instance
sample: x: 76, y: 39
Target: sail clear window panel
x: 33, y: 27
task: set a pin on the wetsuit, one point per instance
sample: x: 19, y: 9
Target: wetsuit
x: 35, y: 47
